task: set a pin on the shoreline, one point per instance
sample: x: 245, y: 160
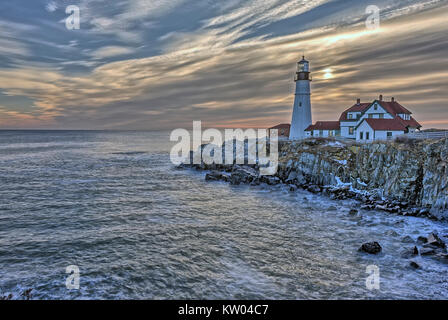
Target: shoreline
x: 245, y: 175
x: 407, y: 178
x: 337, y: 170
x: 433, y: 245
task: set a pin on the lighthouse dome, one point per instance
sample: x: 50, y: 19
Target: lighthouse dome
x: 303, y: 65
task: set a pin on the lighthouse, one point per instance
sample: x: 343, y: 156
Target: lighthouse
x: 301, y: 116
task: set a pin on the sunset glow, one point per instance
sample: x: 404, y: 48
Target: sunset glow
x: 130, y: 67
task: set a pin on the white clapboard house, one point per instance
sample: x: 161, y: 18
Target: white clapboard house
x: 364, y: 122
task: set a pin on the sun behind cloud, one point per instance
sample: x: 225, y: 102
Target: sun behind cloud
x: 328, y: 74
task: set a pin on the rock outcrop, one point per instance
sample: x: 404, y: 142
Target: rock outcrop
x: 371, y: 247
x: 407, y: 178
x: 407, y: 175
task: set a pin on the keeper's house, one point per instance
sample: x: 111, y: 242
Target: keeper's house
x: 365, y: 122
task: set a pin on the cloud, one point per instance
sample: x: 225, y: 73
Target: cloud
x: 10, y: 32
x: 224, y: 75
x: 127, y: 20
x: 138, y: 9
x: 111, y: 51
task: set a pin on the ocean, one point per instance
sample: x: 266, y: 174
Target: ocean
x: 112, y: 204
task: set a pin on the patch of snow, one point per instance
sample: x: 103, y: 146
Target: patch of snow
x: 343, y: 162
x: 361, y: 183
x: 335, y: 144
x: 342, y: 184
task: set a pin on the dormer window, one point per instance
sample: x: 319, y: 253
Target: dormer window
x: 350, y: 116
x: 375, y: 107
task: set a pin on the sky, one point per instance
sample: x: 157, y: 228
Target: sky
x: 162, y: 64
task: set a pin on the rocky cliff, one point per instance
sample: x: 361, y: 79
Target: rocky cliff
x: 407, y: 177
x: 408, y: 173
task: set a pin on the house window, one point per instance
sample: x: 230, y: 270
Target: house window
x: 331, y: 133
x: 321, y: 133
x: 367, y: 135
x: 370, y: 115
x: 375, y: 107
x: 381, y: 116
x: 351, y: 130
x: 389, y: 135
x: 361, y: 135
x: 300, y: 104
x: 350, y: 116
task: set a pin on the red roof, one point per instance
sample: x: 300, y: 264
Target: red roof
x: 393, y: 107
x: 385, y: 124
x: 324, y: 125
x: 410, y: 123
x: 282, y: 126
x: 356, y: 108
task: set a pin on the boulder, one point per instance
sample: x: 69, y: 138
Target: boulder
x: 242, y: 175
x: 213, y: 176
x: 371, y: 247
x: 422, y: 239
x: 353, y: 212
x: 442, y: 257
x: 414, y: 265
x: 314, y: 189
x: 300, y: 180
x: 291, y: 177
x: 427, y: 251
x: 407, y: 239
x: 236, y: 179
x: 434, y: 240
x: 392, y: 233
x: 409, y: 253
x: 272, y: 181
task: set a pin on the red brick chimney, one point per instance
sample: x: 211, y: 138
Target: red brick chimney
x: 393, y: 99
x: 358, y: 102
x: 381, y: 97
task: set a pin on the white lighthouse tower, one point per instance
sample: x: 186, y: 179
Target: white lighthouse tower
x: 301, y: 116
